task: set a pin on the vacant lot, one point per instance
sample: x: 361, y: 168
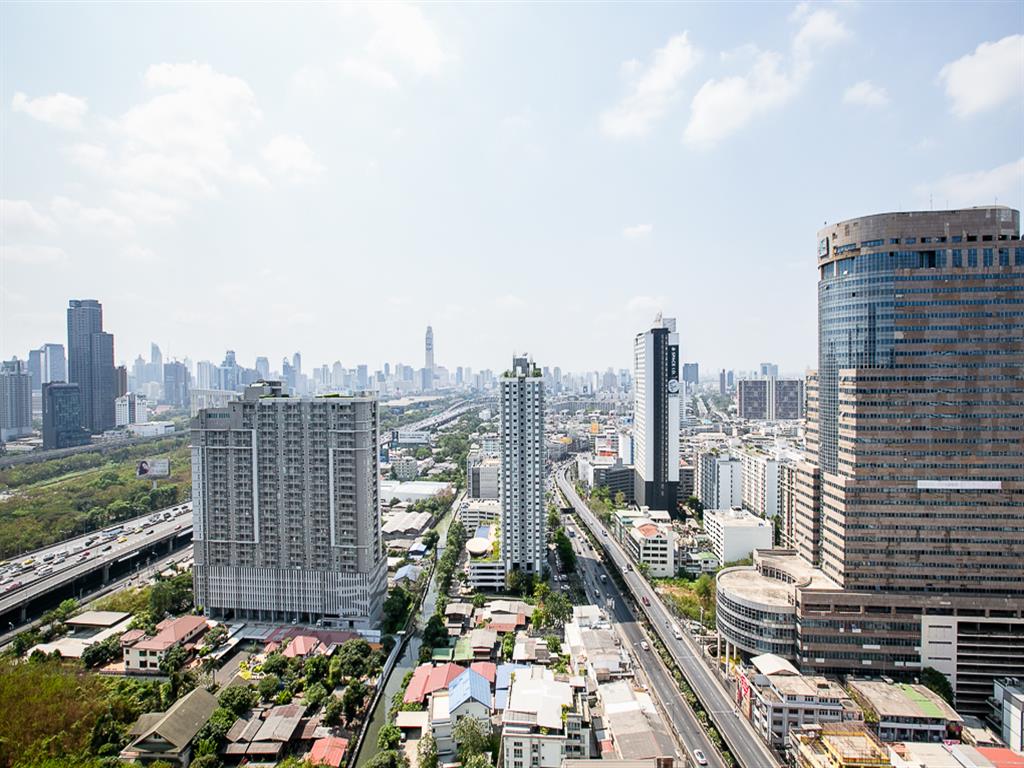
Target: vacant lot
x: 53, y: 500
x: 688, y: 597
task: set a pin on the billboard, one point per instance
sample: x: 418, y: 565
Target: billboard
x: 153, y: 468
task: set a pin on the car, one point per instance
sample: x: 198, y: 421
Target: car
x: 108, y: 548
x: 122, y: 539
x: 645, y: 601
x: 604, y: 533
x: 700, y: 757
x: 644, y: 645
x: 149, y: 531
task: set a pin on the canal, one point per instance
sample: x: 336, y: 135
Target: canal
x: 409, y: 659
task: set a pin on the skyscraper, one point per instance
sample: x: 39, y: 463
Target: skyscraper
x: 91, y: 363
x: 656, y: 415
x: 428, y: 360
x: 15, y: 400
x: 263, y: 368
x: 286, y: 508
x: 54, y: 364
x: 917, y: 413
x: 523, y: 538
x: 176, y: 384
x: 770, y: 399
x: 62, y: 416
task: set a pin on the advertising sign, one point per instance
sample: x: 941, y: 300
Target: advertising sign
x: 152, y: 468
x: 673, y: 362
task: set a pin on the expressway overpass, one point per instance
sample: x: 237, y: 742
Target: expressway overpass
x: 80, y: 566
x: 744, y: 743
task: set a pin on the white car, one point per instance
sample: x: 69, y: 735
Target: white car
x: 700, y: 757
x: 644, y: 645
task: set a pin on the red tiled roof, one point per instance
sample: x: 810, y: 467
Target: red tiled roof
x: 172, y: 632
x: 303, y: 645
x: 502, y: 629
x: 485, y: 669
x: 427, y: 678
x: 328, y: 751
x: 1001, y: 757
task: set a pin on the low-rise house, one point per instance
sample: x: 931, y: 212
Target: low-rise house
x: 596, y: 652
x: 257, y: 738
x: 775, y: 697
x: 544, y: 721
x: 328, y: 751
x: 468, y: 695
x: 503, y: 682
x: 168, y: 736
x: 413, y: 723
x: 905, y: 712
x: 143, y: 654
x: 631, y: 726
x: 456, y: 617
x: 303, y: 646
x: 531, y: 650
x: 427, y: 678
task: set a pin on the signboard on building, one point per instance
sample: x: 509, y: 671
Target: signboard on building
x: 152, y: 468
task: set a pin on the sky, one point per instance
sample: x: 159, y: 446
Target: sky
x: 538, y: 178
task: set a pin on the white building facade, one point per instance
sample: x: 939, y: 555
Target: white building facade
x: 736, y: 533
x: 656, y: 415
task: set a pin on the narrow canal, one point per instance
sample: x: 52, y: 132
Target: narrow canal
x: 410, y: 656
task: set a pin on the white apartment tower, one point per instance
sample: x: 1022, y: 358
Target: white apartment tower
x: 286, y: 509
x: 523, y: 542
x: 656, y: 415
x: 428, y: 359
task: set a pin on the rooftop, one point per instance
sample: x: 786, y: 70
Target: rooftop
x: 902, y: 700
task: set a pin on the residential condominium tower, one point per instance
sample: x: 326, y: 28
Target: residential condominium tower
x: 91, y: 364
x: 656, y: 415
x: 523, y: 542
x: 917, y: 414
x: 286, y: 509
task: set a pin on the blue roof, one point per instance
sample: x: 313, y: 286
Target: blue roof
x: 483, y: 532
x: 503, y: 675
x: 468, y: 685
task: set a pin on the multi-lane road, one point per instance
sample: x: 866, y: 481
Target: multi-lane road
x: 742, y: 740
x: 605, y: 593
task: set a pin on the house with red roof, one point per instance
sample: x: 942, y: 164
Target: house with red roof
x: 328, y: 751
x: 427, y: 678
x: 303, y: 646
x: 143, y: 653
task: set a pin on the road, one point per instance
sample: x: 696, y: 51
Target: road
x: 739, y: 735
x: 34, y: 573
x: 681, y: 719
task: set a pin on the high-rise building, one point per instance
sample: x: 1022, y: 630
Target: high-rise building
x: 286, y: 509
x: 130, y: 409
x: 769, y: 371
x: 428, y: 360
x: 121, y: 380
x: 15, y: 400
x: 54, y: 364
x: 62, y: 416
x: 770, y: 399
x: 263, y: 368
x: 91, y: 363
x: 721, y: 382
x: 35, y: 368
x: 691, y: 373
x: 656, y: 415
x: 917, y: 413
x: 523, y: 538
x: 718, y: 480
x: 176, y: 384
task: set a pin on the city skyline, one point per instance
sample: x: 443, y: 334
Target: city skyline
x: 634, y: 129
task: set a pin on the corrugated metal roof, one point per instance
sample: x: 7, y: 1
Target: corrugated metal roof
x: 468, y: 685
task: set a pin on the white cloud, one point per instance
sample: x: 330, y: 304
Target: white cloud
x: 20, y: 219
x: 60, y: 109
x: 32, y: 255
x: 139, y: 254
x: 102, y: 221
x: 511, y: 301
x: 637, y: 231
x: 250, y: 174
x: 652, y: 90
x: 290, y: 156
x: 866, y: 94
x: 310, y: 82
x: 368, y: 72
x: 987, y: 78
x: 724, y: 105
x: 404, y: 35
x: 977, y: 188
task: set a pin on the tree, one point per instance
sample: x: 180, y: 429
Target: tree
x: 477, y: 761
x: 479, y: 600
x: 935, y: 681
x: 426, y: 751
x: 357, y: 659
x: 520, y: 583
x: 558, y: 608
x: 435, y: 633
x: 275, y: 664
x: 389, y: 737
x: 268, y: 687
x: 396, y: 609
x: 238, y: 699
x: 333, y: 711
x: 553, y: 518
x: 316, y: 668
x: 472, y: 737
x: 352, y: 699
x: 566, y: 554
x: 389, y: 759
x: 508, y: 646
x: 315, y: 694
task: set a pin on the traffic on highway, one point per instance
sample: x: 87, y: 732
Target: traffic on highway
x: 740, y: 737
x: 29, y: 569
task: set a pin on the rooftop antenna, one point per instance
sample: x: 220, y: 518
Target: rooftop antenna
x: 930, y: 205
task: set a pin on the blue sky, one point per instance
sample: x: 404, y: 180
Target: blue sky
x: 542, y: 177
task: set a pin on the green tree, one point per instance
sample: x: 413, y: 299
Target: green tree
x: 316, y: 669
x: 315, y: 695
x: 353, y: 698
x: 389, y: 759
x: 472, y: 736
x: 389, y: 737
x: 268, y: 687
x: 935, y: 681
x: 396, y: 609
x: 435, y: 634
x: 477, y: 761
x: 426, y: 751
x: 238, y: 699
x: 275, y: 664
x: 357, y: 659
x: 333, y: 711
